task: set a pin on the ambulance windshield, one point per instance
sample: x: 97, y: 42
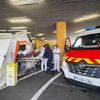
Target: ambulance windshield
x: 87, y: 41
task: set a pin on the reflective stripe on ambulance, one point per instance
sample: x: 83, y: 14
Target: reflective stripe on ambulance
x: 89, y: 61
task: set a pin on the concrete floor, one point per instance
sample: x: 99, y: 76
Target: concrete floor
x: 59, y: 89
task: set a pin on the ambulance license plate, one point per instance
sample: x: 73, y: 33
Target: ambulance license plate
x: 84, y: 80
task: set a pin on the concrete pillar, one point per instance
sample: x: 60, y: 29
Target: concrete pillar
x: 37, y: 43
x: 61, y: 36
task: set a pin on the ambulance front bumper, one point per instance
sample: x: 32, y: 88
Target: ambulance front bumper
x: 80, y: 78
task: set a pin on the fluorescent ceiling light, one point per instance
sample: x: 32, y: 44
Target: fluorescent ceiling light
x: 24, y: 2
x: 19, y: 20
x: 5, y: 34
x: 82, y: 30
x: 43, y: 38
x: 87, y: 17
x: 18, y: 28
x: 40, y: 34
x: 33, y: 38
x: 3, y: 30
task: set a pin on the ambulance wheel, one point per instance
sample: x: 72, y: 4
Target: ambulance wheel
x: 63, y: 74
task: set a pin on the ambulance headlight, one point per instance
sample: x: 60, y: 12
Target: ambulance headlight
x: 65, y: 64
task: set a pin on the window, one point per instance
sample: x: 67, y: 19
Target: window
x: 88, y: 41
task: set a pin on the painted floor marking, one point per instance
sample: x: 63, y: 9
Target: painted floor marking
x: 29, y: 75
x: 23, y: 78
x: 43, y: 88
x: 3, y: 88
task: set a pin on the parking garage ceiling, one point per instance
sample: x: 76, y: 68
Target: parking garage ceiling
x: 43, y: 15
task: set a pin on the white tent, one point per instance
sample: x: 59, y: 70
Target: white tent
x: 9, y: 45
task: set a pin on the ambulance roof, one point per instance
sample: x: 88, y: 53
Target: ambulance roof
x: 95, y: 31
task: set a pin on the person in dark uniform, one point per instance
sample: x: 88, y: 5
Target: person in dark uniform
x: 49, y: 55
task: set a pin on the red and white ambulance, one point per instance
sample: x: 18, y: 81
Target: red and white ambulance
x: 82, y: 61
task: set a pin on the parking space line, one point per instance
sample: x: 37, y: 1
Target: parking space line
x: 29, y: 75
x: 43, y: 88
x: 3, y: 88
x: 23, y: 78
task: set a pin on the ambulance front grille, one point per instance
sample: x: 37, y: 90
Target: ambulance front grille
x: 88, y: 70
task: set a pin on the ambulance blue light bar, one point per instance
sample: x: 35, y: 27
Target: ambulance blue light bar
x: 92, y: 28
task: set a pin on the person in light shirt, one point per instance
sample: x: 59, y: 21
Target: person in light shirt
x: 56, y: 58
x: 43, y: 59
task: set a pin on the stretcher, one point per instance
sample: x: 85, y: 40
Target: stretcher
x: 27, y: 64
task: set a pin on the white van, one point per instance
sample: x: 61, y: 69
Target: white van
x: 82, y: 61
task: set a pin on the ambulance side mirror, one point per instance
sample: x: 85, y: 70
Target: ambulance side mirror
x: 67, y: 44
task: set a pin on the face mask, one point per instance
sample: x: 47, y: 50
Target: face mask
x: 55, y: 47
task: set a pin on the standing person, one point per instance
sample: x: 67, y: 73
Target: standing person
x: 43, y: 59
x: 56, y: 58
x: 49, y: 55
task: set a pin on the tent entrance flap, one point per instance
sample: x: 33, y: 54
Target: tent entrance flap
x: 4, y: 45
x: 18, y: 43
